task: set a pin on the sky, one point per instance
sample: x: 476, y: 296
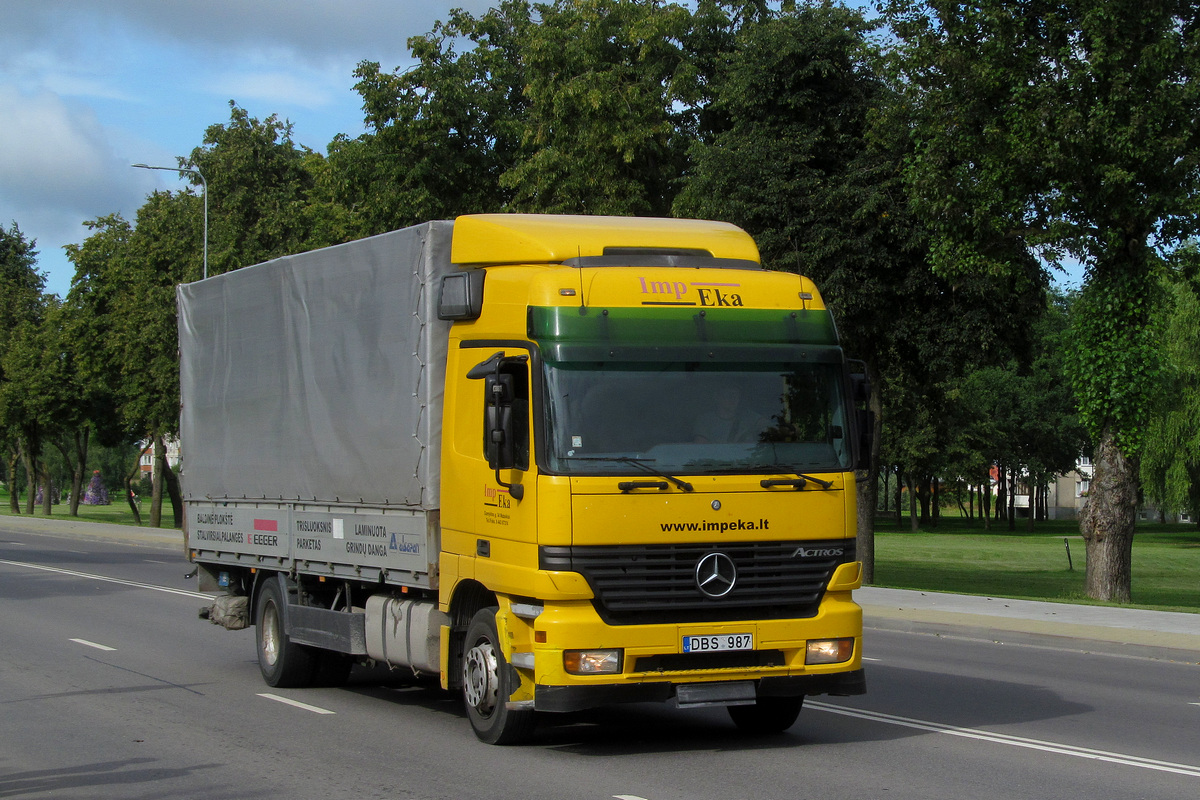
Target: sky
x: 89, y: 87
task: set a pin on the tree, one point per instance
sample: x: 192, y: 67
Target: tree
x: 1022, y: 415
x: 781, y: 150
x: 34, y: 392
x: 788, y: 148
x: 259, y: 183
x: 1170, y: 466
x: 1066, y: 126
x: 124, y: 292
x: 602, y: 132
x: 161, y: 253
x: 441, y: 133
x: 21, y: 300
x: 93, y: 316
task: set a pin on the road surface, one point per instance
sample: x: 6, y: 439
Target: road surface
x: 111, y: 687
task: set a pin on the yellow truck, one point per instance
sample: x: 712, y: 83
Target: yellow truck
x: 558, y: 462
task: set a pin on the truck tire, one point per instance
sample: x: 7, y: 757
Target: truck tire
x: 767, y: 715
x: 283, y: 663
x: 487, y: 685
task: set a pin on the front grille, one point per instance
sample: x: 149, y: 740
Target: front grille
x: 656, y: 583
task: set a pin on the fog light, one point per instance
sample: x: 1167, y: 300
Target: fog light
x: 829, y: 651
x: 592, y: 662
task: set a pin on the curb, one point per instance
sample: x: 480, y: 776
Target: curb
x: 1168, y: 635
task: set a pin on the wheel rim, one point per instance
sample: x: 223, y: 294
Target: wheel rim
x: 270, y: 633
x: 481, y: 674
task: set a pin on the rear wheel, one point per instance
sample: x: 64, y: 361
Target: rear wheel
x: 283, y: 663
x: 487, y: 682
x: 767, y: 715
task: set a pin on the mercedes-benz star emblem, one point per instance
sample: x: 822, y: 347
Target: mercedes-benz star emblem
x: 715, y: 575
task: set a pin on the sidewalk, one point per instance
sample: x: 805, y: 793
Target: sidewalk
x: 1124, y: 631
x: 127, y: 534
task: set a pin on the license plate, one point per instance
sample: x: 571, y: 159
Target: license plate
x: 718, y: 643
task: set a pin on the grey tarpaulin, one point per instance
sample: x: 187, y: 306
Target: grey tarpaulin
x: 318, y: 376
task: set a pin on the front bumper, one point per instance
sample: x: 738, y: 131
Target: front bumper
x: 577, y: 698
x: 653, y: 666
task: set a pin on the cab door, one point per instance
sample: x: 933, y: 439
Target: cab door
x: 489, y: 486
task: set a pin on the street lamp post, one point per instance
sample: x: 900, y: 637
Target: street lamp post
x: 203, y: 183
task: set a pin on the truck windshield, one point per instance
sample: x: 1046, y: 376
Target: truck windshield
x: 695, y: 418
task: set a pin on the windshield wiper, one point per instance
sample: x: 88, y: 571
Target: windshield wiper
x: 799, y: 482
x: 748, y: 469
x: 641, y: 464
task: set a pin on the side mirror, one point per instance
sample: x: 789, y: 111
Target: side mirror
x: 498, y: 422
x: 499, y: 426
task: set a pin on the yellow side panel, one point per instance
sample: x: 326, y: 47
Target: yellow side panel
x: 544, y: 238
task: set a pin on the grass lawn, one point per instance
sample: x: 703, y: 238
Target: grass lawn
x: 117, y: 513
x: 963, y: 559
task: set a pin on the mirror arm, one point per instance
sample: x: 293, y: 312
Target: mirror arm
x: 516, y: 490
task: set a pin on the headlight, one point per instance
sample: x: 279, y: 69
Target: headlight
x: 592, y: 662
x: 829, y: 651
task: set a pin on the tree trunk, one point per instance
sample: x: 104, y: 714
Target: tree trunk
x: 936, y: 501
x: 157, y: 482
x: 14, y: 493
x: 868, y: 490
x: 1001, y: 491
x: 128, y: 483
x: 81, y: 452
x: 171, y: 481
x: 923, y: 484
x: 1035, y: 505
x: 899, y: 499
x: 985, y: 501
x: 69, y: 458
x: 30, y: 462
x: 47, y: 488
x: 1012, y: 500
x: 914, y: 522
x: 865, y: 531
x: 1107, y: 521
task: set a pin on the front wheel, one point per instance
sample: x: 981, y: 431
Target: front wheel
x: 487, y: 685
x: 284, y: 664
x: 767, y: 715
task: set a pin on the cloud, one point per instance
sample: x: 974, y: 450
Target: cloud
x: 88, y: 87
x: 281, y: 87
x: 59, y: 167
x: 55, y: 155
x: 313, y: 29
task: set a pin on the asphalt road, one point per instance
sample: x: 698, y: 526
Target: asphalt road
x: 111, y: 687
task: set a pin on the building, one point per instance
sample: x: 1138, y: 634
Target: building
x: 1068, y: 493
x: 146, y: 461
